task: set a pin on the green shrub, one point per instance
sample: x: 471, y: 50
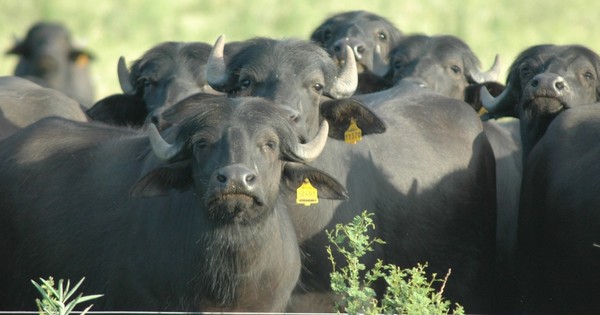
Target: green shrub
x: 409, y: 291
x: 55, y: 301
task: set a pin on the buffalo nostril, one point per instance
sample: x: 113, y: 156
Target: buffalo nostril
x: 560, y: 85
x: 155, y: 120
x: 221, y: 178
x: 360, y: 49
x: 250, y: 179
x: 337, y: 48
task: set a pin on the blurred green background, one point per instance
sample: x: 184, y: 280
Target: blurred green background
x: 113, y: 28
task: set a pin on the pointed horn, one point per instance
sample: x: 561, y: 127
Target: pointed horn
x: 491, y: 75
x: 216, y: 70
x: 160, y: 147
x: 124, y: 75
x: 495, y: 104
x: 380, y: 66
x: 311, y: 150
x: 347, y: 81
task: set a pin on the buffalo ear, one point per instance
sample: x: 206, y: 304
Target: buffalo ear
x: 328, y: 188
x: 160, y: 181
x: 339, y: 113
x: 369, y: 82
x: 120, y: 110
x: 81, y: 57
x: 18, y: 49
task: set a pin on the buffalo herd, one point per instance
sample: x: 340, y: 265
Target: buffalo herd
x: 182, y: 192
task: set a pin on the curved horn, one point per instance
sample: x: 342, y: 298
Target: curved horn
x: 311, y: 150
x: 216, y: 71
x: 160, y: 147
x: 347, y: 81
x: 123, y: 74
x: 490, y: 75
x: 495, y: 104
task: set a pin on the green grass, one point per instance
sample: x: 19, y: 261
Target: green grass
x: 129, y: 27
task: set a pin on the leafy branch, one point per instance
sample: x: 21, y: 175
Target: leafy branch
x: 55, y: 301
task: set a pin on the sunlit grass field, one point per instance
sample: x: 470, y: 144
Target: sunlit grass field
x: 113, y: 28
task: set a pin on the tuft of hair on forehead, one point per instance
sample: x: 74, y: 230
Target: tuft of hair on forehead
x: 266, y: 54
x: 211, y: 113
x: 415, y: 44
x: 257, y: 111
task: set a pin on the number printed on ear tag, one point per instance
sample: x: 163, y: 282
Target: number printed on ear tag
x: 306, y: 194
x: 353, y: 134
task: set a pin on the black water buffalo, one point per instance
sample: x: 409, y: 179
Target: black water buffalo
x: 23, y: 102
x: 429, y: 178
x: 543, y: 82
x: 199, y: 224
x: 296, y: 73
x: 48, y: 57
x: 370, y: 36
x: 164, y: 75
x: 444, y: 64
x: 559, y: 222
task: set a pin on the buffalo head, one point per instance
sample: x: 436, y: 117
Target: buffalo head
x: 544, y: 81
x: 235, y: 154
x: 443, y: 64
x: 370, y: 36
x: 164, y: 75
x: 297, y: 74
x: 48, y: 56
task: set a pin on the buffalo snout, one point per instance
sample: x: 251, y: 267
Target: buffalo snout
x: 235, y: 177
x: 358, y: 47
x: 548, y: 83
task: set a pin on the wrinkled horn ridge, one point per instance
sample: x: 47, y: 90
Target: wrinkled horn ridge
x: 311, y: 150
x: 347, y: 81
x: 491, y: 75
x: 216, y: 71
x: 123, y: 74
x: 494, y: 104
x: 160, y: 147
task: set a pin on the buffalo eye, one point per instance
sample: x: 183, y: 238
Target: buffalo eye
x: 318, y: 87
x: 382, y: 36
x: 525, y: 71
x: 271, y: 145
x: 145, y: 82
x: 398, y: 65
x: 455, y: 69
x: 588, y: 75
x: 245, y: 83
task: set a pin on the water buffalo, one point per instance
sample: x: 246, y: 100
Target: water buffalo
x: 164, y: 75
x: 23, y: 102
x: 444, y: 64
x: 559, y: 219
x: 196, y: 225
x: 429, y: 178
x: 544, y: 82
x: 48, y: 57
x: 370, y: 36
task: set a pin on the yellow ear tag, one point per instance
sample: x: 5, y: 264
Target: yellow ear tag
x: 353, y: 134
x: 82, y: 60
x: 306, y: 194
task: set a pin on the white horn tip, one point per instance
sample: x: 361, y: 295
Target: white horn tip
x: 486, y: 98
